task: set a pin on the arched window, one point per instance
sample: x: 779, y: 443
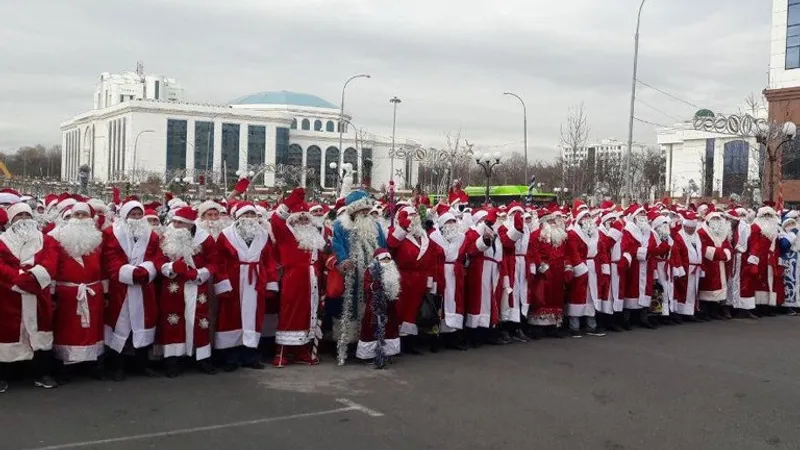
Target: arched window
x: 735, y: 162
x: 313, y: 163
x: 317, y: 125
x: 351, y: 156
x: 294, y: 124
x: 329, y: 127
x: 295, y: 156
x: 331, y: 156
x: 306, y: 125
x: 366, y: 167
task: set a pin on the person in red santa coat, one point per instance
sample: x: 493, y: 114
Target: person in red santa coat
x: 760, y: 266
x: 131, y: 255
x: 487, y: 282
x: 611, y: 303
x: 716, y: 252
x: 515, y: 236
x: 299, y: 247
x: 79, y: 288
x: 586, y: 256
x: 547, y: 250
x: 380, y: 337
x: 183, y: 319
x: 247, y: 277
x: 27, y: 260
x: 450, y: 238
x: 639, y: 248
x: 686, y: 268
x: 740, y: 236
x: 416, y: 257
x: 664, y: 276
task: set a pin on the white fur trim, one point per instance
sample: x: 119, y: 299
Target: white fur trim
x: 641, y: 253
x: 709, y: 253
x: 272, y: 286
x: 282, y: 211
x: 166, y: 270
x: 753, y: 259
x: 628, y: 257
x: 605, y: 269
x: 203, y: 275
x: 480, y: 244
x: 150, y: 268
x: 407, y: 328
x: 126, y: 274
x: 532, y: 268
x: 580, y: 269
x: 41, y: 275
x: 223, y: 287
x: 399, y: 233
x: 366, y: 350
x: 514, y: 234
x: 79, y: 353
x: 293, y: 338
x: 727, y: 254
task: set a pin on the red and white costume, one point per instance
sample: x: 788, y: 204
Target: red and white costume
x: 245, y: 274
x: 760, y: 266
x: 737, y: 278
x: 585, y: 256
x: 638, y: 247
x: 664, y: 263
x: 132, y: 308
x: 515, y: 258
x: 485, y: 276
x: 454, y: 274
x: 716, y: 254
x: 611, y: 300
x: 547, y: 250
x: 686, y: 270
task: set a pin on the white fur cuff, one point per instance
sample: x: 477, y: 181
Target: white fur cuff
x: 482, y: 246
x: 727, y: 254
x: 126, y: 274
x: 203, y: 275
x: 709, y: 253
x: 580, y: 269
x: 532, y: 268
x: 223, y: 287
x: 399, y: 233
x: 41, y: 275
x: 641, y: 253
x: 606, y: 269
x: 628, y: 257
x: 272, y: 286
x: 513, y: 234
x: 282, y: 211
x: 166, y: 270
x: 150, y: 268
x: 753, y: 259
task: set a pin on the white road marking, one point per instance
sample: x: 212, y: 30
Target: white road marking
x: 349, y: 406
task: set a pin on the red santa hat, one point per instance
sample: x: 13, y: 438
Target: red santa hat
x: 243, y: 207
x: 381, y: 253
x: 442, y: 209
x: 479, y: 215
x: 712, y: 214
x: 515, y: 207
x: 128, y: 206
x: 50, y: 200
x: 313, y: 207
x: 609, y: 215
x: 577, y: 206
x: 763, y: 211
x: 98, y: 206
x: 444, y: 218
x: 208, y: 205
x: 185, y: 214
x: 652, y: 214
x: 83, y: 207
x: 150, y: 213
x: 607, y: 205
x: 690, y: 219
x: 9, y: 196
x: 581, y: 214
x: 660, y: 220
x: 633, y: 210
x: 17, y: 209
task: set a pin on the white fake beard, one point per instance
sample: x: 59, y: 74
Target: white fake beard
x: 451, y: 231
x: 663, y: 231
x: 247, y: 228
x: 225, y: 221
x: 318, y: 221
x: 390, y: 280
x: 769, y: 227
x: 415, y: 229
x: 23, y: 231
x: 589, y: 227
x: 642, y: 224
x: 212, y: 227
x: 79, y: 237
x: 138, y: 228
x: 308, y: 237
x: 365, y: 228
x: 553, y: 234
x: 533, y: 225
x: 177, y: 243
x: 719, y: 228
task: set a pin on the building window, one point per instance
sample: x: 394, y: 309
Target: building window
x: 203, y: 147
x: 295, y: 156
x: 256, y: 148
x: 281, y: 146
x: 230, y: 150
x: 366, y: 167
x: 790, y: 161
x: 294, y: 124
x: 793, y: 35
x: 351, y: 156
x: 331, y: 174
x: 329, y: 126
x: 735, y: 161
x: 708, y: 168
x: 176, y: 144
x: 109, y: 161
x: 313, y: 162
x: 122, y: 142
x: 317, y: 125
x: 306, y: 125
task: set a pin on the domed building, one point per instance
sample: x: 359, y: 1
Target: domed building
x: 141, y: 127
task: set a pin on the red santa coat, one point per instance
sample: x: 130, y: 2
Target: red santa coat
x: 26, y: 320
x: 759, y: 269
x: 245, y: 274
x: 638, y: 249
x: 515, y: 261
x: 618, y: 264
x: 367, y: 343
x: 417, y: 261
x: 485, y: 273
x: 605, y: 247
x: 686, y: 270
x: 78, y: 289
x: 716, y: 254
x: 184, y: 309
x: 741, y: 236
x: 132, y: 308
x: 548, y: 287
x: 585, y: 255
x: 664, y: 274
x: 453, y: 281
x: 300, y: 287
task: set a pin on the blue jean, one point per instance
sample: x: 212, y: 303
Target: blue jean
x: 575, y: 323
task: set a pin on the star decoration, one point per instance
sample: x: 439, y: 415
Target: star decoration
x: 202, y: 299
x: 173, y: 287
x: 173, y: 319
x: 203, y: 323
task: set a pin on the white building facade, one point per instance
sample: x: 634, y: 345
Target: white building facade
x: 606, y: 149
x: 293, y: 137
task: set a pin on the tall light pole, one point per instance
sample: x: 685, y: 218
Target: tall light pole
x: 136, y: 146
x: 628, y: 189
x: 341, y: 115
x: 394, y: 100
x: 487, y: 162
x: 525, y: 130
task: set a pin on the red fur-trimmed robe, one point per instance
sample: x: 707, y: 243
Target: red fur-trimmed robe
x: 716, y: 254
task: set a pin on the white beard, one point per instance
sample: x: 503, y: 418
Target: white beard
x: 225, y: 221
x: 769, y: 227
x: 451, y: 231
x: 553, y: 235
x: 177, y: 243
x: 720, y: 229
x: 20, y: 233
x: 79, y: 237
x: 391, y: 280
x: 138, y: 228
x: 308, y: 237
x: 533, y: 225
x: 590, y: 228
x: 212, y: 227
x: 642, y: 224
x: 247, y: 228
x: 415, y: 229
x: 663, y: 231
x: 365, y: 229
x: 318, y: 221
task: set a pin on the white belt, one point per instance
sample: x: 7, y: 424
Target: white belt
x: 83, y: 300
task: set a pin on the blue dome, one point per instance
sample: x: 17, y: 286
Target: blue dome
x: 284, y: 98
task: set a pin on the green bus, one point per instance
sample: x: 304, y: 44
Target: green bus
x: 503, y: 195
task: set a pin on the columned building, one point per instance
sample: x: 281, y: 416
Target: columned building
x: 293, y: 137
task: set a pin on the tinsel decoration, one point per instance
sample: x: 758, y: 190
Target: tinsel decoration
x: 353, y: 293
x: 379, y: 311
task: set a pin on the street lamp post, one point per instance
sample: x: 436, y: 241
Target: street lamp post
x: 524, y: 128
x: 135, y: 148
x: 394, y: 100
x: 633, y: 104
x: 333, y: 166
x: 341, y: 111
x: 487, y: 162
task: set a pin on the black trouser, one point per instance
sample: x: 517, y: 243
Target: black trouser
x: 41, y: 365
x: 241, y: 356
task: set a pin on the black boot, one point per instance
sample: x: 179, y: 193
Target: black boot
x: 407, y: 345
x: 206, y: 366
x: 612, y: 322
x: 115, y: 364
x: 644, y: 319
x: 517, y: 334
x: 143, y: 363
x: 626, y: 320
x: 43, y: 367
x: 713, y: 311
x: 533, y: 332
x: 435, y: 343
x: 171, y: 366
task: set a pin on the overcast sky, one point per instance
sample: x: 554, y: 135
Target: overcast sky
x: 448, y: 60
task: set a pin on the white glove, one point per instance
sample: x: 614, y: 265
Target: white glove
x: 543, y: 267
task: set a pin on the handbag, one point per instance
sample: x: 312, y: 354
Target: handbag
x: 428, y: 313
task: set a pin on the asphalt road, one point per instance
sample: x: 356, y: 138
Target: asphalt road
x: 720, y: 385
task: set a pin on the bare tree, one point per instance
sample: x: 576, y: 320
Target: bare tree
x: 573, y: 138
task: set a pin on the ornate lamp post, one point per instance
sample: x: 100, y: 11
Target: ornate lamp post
x: 487, y: 162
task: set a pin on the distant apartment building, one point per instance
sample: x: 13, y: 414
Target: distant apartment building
x: 606, y: 150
